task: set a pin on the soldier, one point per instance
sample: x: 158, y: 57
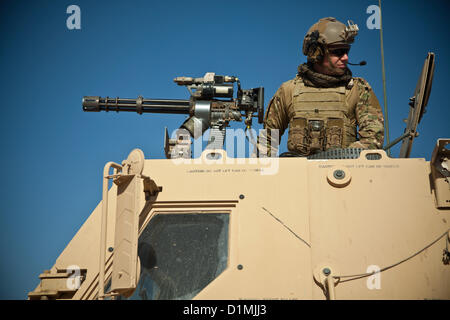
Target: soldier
x: 324, y: 104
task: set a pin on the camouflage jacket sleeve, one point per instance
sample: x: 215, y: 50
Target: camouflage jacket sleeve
x: 369, y: 118
x: 276, y: 119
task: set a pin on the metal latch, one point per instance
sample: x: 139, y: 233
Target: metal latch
x: 446, y: 254
x: 440, y: 171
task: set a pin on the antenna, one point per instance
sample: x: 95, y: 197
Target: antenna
x: 386, y: 119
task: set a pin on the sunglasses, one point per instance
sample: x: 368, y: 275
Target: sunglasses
x: 339, y: 52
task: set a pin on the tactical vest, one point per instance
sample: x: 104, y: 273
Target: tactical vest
x: 322, y: 118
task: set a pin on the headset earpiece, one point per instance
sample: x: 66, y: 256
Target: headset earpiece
x: 313, y: 48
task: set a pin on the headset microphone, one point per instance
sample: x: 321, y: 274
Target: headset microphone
x: 362, y: 63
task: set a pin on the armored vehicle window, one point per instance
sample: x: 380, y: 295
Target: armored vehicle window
x: 181, y: 254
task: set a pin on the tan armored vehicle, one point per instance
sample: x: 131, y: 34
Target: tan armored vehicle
x: 343, y: 224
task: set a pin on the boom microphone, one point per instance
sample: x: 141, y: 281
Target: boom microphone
x: 362, y: 63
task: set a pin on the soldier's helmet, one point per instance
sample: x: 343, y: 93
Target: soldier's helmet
x: 327, y: 33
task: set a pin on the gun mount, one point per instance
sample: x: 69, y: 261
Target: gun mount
x: 204, y: 108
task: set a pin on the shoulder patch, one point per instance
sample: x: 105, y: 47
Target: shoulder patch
x: 362, y: 83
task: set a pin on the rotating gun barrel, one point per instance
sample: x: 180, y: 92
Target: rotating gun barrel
x: 139, y: 105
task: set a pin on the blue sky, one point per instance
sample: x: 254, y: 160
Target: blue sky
x: 54, y: 152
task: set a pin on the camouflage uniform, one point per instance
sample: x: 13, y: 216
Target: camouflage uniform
x: 324, y: 111
x: 361, y: 108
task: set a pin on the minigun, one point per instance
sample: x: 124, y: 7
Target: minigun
x: 211, y: 105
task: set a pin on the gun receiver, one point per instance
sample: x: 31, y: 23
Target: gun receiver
x: 204, y: 108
